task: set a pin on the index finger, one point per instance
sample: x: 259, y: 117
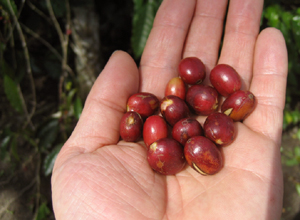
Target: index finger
x: 163, y: 50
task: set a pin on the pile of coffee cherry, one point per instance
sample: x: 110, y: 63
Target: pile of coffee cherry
x: 169, y: 129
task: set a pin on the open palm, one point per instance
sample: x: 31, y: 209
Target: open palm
x: 96, y: 176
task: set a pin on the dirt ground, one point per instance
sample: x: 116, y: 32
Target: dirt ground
x: 291, y: 175
x: 20, y: 189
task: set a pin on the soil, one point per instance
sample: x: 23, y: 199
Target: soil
x: 291, y: 175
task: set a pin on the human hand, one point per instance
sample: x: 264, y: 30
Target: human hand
x: 96, y: 176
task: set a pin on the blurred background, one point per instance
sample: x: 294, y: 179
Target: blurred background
x: 51, y: 51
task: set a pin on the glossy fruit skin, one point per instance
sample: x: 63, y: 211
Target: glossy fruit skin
x: 146, y: 104
x: 176, y: 87
x: 186, y: 128
x: 173, y: 109
x: 155, y: 127
x: 225, y: 79
x: 166, y: 156
x: 239, y: 105
x: 131, y: 126
x: 192, y: 70
x: 219, y: 128
x: 203, y: 155
x: 203, y: 99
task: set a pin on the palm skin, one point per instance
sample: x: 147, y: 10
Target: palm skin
x: 97, y: 176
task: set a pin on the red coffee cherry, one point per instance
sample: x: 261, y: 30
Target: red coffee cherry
x: 173, y: 109
x: 239, y: 105
x: 166, y: 157
x: 176, y: 87
x: 203, y: 99
x: 192, y: 70
x: 155, y: 127
x: 185, y: 129
x: 225, y: 79
x: 219, y: 128
x: 146, y: 104
x: 131, y: 126
x: 203, y: 155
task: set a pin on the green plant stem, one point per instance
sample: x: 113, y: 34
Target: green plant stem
x: 64, y: 41
x: 48, y: 45
x: 39, y: 12
x: 29, y: 71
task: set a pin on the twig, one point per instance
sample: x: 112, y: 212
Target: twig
x: 48, y: 45
x: 27, y: 59
x: 44, y: 42
x: 64, y: 40
x: 38, y: 11
x: 38, y: 185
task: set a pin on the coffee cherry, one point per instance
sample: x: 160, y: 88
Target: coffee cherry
x: 192, y: 70
x: 203, y: 155
x: 203, y: 99
x: 225, y: 79
x: 239, y: 105
x: 165, y: 156
x: 219, y: 128
x: 173, y: 109
x: 131, y: 126
x: 176, y: 87
x: 155, y: 127
x: 144, y: 103
x: 185, y: 129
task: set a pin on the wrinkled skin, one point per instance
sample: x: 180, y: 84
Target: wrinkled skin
x: 96, y: 176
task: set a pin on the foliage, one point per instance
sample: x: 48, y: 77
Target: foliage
x: 34, y: 59
x: 288, y: 22
x: 142, y: 21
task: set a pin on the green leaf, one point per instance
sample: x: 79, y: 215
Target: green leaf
x: 298, y: 188
x: 3, y: 146
x: 70, y: 96
x: 5, y: 4
x: 296, y: 30
x: 13, y: 93
x: 50, y: 160
x: 77, y: 107
x: 288, y: 117
x: 141, y: 25
x: 291, y: 162
x: 48, y: 134
x: 272, y: 14
x: 43, y: 212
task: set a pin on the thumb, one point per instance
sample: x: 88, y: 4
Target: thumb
x: 106, y: 103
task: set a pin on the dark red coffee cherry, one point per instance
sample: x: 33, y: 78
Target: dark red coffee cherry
x: 239, y: 105
x: 185, y: 129
x: 192, y: 70
x: 225, y: 79
x: 219, y: 128
x: 131, y: 126
x: 203, y: 99
x: 166, y: 156
x: 146, y: 104
x: 203, y: 155
x: 173, y: 109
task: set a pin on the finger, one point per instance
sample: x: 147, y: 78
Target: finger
x: 242, y: 28
x: 99, y: 122
x: 205, y: 33
x: 163, y: 50
x: 269, y: 84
